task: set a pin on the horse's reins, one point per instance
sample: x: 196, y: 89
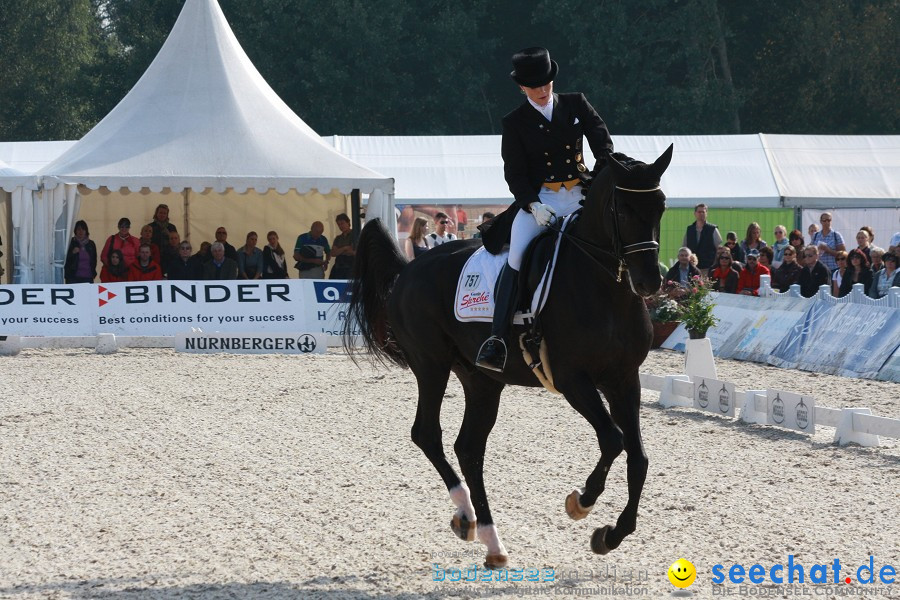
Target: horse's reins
x: 619, y: 256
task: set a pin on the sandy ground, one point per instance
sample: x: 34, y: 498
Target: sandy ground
x: 147, y: 474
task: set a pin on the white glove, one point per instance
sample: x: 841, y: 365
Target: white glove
x: 542, y: 213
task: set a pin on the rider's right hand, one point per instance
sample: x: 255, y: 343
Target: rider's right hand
x: 542, y: 213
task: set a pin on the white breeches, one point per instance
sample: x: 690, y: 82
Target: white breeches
x: 525, y: 228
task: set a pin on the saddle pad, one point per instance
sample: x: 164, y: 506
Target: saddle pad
x: 474, y: 300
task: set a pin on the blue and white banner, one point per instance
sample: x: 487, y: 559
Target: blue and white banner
x: 166, y: 308
x: 854, y: 340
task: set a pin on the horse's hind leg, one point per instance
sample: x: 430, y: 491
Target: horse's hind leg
x: 426, y: 434
x: 582, y: 394
x: 624, y: 404
x: 482, y: 403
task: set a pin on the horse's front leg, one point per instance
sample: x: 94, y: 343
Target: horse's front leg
x: 582, y: 394
x: 625, y: 404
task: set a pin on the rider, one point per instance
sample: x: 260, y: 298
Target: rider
x: 544, y: 166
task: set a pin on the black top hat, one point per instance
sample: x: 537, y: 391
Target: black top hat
x: 533, y: 68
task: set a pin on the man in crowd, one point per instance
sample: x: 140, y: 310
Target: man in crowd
x: 344, y: 249
x: 828, y: 243
x: 440, y: 235
x: 222, y: 238
x: 220, y: 267
x: 682, y: 271
x: 485, y: 217
x: 814, y: 273
x: 144, y: 268
x: 702, y: 239
x: 185, y: 267
x: 748, y: 281
x: 312, y: 252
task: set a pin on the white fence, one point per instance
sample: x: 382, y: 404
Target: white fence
x: 856, y: 295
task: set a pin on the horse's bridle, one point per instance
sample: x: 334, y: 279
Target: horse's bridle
x: 620, y: 251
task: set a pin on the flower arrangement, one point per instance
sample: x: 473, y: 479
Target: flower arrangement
x: 663, y: 306
x: 697, y: 307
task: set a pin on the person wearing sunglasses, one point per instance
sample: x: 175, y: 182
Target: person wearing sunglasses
x: 440, y: 235
x: 788, y: 273
x: 724, y: 277
x: 748, y: 282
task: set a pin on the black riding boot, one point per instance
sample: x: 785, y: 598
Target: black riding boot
x: 492, y: 354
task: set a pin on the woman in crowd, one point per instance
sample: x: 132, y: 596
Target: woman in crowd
x: 857, y: 271
x: 864, y: 243
x: 752, y: 240
x: 724, y: 277
x: 875, y: 255
x: 766, y: 256
x: 789, y: 272
x: 250, y: 258
x: 124, y: 241
x: 737, y: 255
x: 147, y: 238
x: 274, y: 264
x: 115, y: 269
x: 795, y: 240
x: 886, y: 278
x: 838, y: 274
x: 415, y: 244
x: 781, y: 242
x: 81, y: 258
x: 161, y: 226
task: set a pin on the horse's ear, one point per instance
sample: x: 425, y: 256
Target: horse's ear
x: 618, y: 168
x: 662, y: 163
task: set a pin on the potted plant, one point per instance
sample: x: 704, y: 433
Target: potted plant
x: 664, y: 313
x: 697, y: 308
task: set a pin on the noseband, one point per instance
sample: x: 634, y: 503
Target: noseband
x: 620, y: 251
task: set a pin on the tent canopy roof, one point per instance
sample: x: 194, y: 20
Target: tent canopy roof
x: 816, y: 170
x: 202, y: 117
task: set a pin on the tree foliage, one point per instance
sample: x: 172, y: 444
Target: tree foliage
x: 392, y: 67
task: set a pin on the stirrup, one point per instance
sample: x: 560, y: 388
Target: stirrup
x: 492, y: 354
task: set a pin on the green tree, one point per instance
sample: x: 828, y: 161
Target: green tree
x: 49, y: 52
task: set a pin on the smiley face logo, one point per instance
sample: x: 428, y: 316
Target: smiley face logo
x: 682, y: 573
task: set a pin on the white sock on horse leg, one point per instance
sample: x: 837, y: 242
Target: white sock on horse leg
x: 462, y: 501
x: 487, y: 535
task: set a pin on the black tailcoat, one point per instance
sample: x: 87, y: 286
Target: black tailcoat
x: 536, y: 151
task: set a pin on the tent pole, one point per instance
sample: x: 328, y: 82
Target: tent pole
x: 187, y: 209
x: 355, y: 206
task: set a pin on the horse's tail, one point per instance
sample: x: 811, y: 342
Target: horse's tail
x: 378, y: 262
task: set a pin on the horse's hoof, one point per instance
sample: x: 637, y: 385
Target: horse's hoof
x: 598, y: 540
x: 496, y: 561
x: 574, y: 508
x: 463, y: 528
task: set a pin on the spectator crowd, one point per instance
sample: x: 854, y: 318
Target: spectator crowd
x: 735, y: 267
x: 160, y: 253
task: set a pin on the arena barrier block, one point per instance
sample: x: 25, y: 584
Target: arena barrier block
x: 749, y: 412
x: 668, y: 397
x: 698, y: 359
x: 106, y: 343
x: 10, y: 345
x: 845, y: 434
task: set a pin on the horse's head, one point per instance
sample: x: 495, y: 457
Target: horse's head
x: 632, y: 207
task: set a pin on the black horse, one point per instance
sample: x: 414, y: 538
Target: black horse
x: 595, y: 326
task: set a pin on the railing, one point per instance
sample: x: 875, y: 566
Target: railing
x: 856, y: 295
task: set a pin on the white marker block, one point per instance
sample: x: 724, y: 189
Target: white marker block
x: 844, y: 433
x: 10, y: 345
x: 667, y: 396
x: 106, y: 343
x: 749, y: 414
x: 698, y: 359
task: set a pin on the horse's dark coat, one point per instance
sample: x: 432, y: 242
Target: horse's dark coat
x: 597, y: 331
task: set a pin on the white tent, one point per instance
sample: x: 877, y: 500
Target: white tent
x: 828, y: 171
x: 728, y: 170
x: 203, y: 132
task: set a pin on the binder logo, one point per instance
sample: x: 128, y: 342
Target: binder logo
x: 103, y: 291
